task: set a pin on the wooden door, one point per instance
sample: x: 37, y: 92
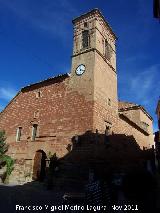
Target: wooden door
x: 37, y: 166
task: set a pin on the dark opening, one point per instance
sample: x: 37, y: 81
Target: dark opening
x: 39, y: 167
x: 85, y: 39
x: 19, y: 133
x: 34, y: 131
x: 85, y: 24
x: 108, y: 50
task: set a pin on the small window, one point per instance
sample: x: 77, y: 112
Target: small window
x: 103, y: 49
x: 108, y: 132
x: 34, y: 131
x: 85, y: 39
x: 145, y: 125
x: 38, y: 94
x: 109, y: 102
x: 18, y: 134
x: 108, y: 50
x: 85, y: 24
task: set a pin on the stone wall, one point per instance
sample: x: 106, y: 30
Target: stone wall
x: 62, y: 114
x: 104, y: 116
x: 66, y: 106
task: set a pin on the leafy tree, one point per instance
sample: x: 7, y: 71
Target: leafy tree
x: 3, y: 145
x: 5, y: 160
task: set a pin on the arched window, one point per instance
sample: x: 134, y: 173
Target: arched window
x: 34, y: 131
x: 108, y: 50
x: 85, y: 24
x: 85, y: 39
x: 18, y: 134
x: 38, y: 94
x: 109, y: 102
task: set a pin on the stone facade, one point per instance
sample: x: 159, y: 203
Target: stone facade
x: 71, y: 105
x: 158, y: 112
x: 157, y: 136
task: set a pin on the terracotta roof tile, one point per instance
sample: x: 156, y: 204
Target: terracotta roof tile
x: 57, y: 78
x: 125, y: 105
x: 96, y: 10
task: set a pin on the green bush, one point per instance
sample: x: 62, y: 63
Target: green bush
x: 5, y: 160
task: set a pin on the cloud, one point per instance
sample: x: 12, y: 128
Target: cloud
x: 142, y: 86
x: 155, y: 126
x: 6, y: 94
x: 139, y: 27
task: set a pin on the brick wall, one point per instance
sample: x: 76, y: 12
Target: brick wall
x: 62, y: 114
x: 64, y: 106
x: 121, y: 125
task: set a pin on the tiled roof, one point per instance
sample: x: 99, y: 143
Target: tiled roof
x: 138, y: 125
x: 57, y: 78
x: 125, y: 105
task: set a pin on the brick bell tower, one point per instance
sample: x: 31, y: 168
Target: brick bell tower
x: 93, y: 71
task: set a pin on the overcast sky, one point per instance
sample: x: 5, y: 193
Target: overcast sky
x: 36, y: 43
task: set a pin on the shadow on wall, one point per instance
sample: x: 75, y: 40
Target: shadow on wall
x: 108, y: 156
x: 105, y: 155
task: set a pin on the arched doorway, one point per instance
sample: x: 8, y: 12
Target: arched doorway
x: 39, y: 166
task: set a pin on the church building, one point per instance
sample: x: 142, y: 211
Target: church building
x: 78, y: 115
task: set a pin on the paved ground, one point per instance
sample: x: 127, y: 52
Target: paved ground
x: 34, y: 197
x: 31, y: 194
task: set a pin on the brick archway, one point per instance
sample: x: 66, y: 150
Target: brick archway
x: 39, y: 166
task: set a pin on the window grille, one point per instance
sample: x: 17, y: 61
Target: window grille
x: 85, y: 39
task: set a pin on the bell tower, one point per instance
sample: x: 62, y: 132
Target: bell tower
x: 93, y: 71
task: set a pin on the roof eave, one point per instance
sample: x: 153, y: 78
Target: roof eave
x: 95, y: 10
x: 46, y: 80
x: 136, y: 107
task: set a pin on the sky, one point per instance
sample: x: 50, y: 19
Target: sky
x: 36, y: 41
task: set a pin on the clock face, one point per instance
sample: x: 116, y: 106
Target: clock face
x: 80, y: 69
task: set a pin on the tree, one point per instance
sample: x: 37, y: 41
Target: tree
x: 5, y: 160
x: 3, y: 145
